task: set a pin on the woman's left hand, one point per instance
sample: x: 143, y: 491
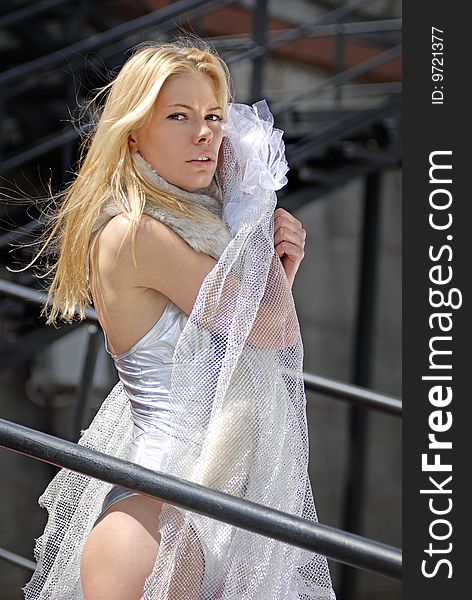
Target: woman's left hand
x: 289, y: 241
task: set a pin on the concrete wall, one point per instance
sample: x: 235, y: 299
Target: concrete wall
x: 325, y: 294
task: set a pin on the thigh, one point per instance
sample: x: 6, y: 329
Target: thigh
x: 121, y: 549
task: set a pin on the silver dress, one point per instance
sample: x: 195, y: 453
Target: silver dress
x: 145, y: 371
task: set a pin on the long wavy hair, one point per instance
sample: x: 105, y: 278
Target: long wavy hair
x: 107, y: 170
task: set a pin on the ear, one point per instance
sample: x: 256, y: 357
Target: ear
x: 132, y: 144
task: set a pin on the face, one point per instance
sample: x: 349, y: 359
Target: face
x: 182, y: 139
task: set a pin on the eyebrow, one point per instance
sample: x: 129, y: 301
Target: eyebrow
x: 191, y: 108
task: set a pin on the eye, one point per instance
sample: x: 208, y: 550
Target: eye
x: 214, y: 118
x: 176, y: 116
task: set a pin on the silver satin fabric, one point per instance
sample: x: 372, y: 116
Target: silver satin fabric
x: 145, y: 371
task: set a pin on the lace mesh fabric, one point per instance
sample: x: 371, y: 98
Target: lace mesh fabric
x: 73, y: 502
x: 238, y: 405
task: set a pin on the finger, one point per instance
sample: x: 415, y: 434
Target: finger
x: 285, y: 234
x: 283, y: 217
x: 292, y: 251
x: 290, y: 225
x: 287, y: 220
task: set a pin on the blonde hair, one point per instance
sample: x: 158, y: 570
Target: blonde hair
x: 107, y: 168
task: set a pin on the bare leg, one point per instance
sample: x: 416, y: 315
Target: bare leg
x: 121, y: 549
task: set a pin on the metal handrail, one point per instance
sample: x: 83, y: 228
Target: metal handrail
x: 340, y: 78
x: 337, y: 389
x: 101, y: 40
x: 310, y: 30
x: 17, y: 560
x: 348, y: 125
x: 14, y: 236
x: 27, y: 12
x: 66, y: 136
x: 299, y: 32
x: 23, y: 292
x: 337, y: 545
x: 349, y: 28
x: 353, y: 393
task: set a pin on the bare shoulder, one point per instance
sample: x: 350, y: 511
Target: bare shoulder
x: 117, y: 234
x: 157, y: 259
x: 126, y: 307
x: 119, y: 250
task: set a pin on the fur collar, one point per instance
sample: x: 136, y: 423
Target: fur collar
x: 210, y: 236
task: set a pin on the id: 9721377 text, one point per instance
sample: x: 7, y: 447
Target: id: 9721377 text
x: 437, y: 65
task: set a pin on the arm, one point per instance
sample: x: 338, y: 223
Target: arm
x: 167, y: 264
x: 164, y: 261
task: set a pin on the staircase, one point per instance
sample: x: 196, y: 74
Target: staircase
x: 54, y: 53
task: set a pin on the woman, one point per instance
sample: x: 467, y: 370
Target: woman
x: 170, y: 229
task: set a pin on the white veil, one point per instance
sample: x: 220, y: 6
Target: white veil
x: 238, y: 365
x: 238, y: 410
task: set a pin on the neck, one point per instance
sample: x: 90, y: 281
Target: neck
x: 201, y: 196
x: 205, y: 232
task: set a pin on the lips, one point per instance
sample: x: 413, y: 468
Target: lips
x: 204, y: 155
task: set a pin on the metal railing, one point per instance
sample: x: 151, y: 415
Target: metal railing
x: 28, y: 12
x: 337, y: 545
x: 353, y: 394
x: 162, y: 20
x: 17, y: 560
x: 330, y: 387
x: 111, y: 42
x: 102, y: 40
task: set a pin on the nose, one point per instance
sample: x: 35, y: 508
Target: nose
x: 203, y: 132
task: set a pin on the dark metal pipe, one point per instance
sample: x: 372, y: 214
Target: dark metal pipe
x: 51, y: 143
x: 29, y: 11
x: 330, y: 29
x: 329, y: 387
x: 24, y: 231
x: 339, y: 61
x: 22, y: 292
x: 101, y: 40
x: 94, y: 343
x: 354, y: 494
x: 2, y: 117
x: 260, y: 38
x: 17, y: 560
x: 353, y: 394
x: 354, y: 550
x: 341, y: 129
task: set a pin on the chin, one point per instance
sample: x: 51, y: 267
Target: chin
x: 197, y: 184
